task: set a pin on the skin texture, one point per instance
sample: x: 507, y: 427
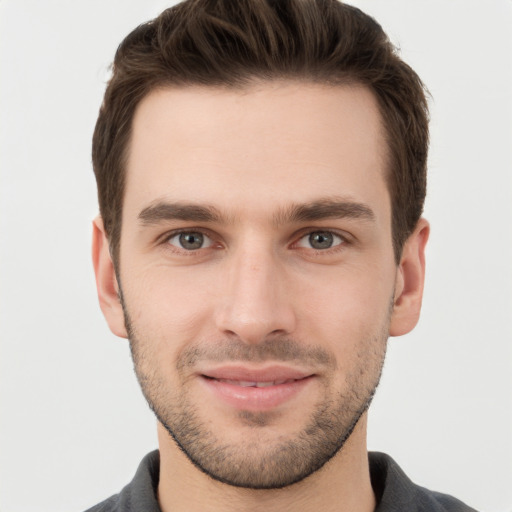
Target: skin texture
x: 278, y: 192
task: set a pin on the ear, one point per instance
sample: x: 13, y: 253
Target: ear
x: 106, y: 281
x: 409, y: 282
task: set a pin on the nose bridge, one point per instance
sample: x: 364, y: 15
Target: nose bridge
x: 255, y: 300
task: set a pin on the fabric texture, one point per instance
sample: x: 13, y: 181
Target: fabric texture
x: 393, y: 489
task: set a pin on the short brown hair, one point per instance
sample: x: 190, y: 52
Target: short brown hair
x: 232, y: 43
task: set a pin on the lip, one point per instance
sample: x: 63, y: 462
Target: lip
x: 245, y: 373
x: 255, y: 389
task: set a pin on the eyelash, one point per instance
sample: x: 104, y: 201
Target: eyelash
x: 345, y: 240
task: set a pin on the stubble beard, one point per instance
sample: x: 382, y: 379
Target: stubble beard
x: 257, y: 463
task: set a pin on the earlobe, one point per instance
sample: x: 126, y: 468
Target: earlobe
x: 409, y: 282
x: 106, y: 281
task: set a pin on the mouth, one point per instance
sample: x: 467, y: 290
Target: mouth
x: 253, y: 384
x: 255, y: 389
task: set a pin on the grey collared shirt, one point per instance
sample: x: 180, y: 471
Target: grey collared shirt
x: 393, y: 489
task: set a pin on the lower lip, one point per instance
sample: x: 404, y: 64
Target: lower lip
x: 256, y: 399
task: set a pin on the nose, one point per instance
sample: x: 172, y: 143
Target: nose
x: 255, y: 301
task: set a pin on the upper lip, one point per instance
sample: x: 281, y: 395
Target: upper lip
x: 248, y: 374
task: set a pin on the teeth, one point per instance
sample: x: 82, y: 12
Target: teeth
x: 265, y: 384
x: 245, y: 384
x: 248, y: 384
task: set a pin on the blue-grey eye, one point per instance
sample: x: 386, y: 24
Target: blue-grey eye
x: 190, y: 240
x: 320, y: 240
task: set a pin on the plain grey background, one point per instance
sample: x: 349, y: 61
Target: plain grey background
x: 73, y: 424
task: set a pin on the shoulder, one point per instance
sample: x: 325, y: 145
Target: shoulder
x: 396, y: 492
x: 140, y: 493
x: 109, y: 505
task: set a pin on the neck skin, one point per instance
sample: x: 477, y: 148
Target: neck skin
x: 342, y: 485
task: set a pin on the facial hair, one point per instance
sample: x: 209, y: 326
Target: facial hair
x: 257, y: 463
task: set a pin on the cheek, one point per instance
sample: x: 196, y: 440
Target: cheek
x: 346, y: 307
x: 170, y: 305
x: 353, y: 324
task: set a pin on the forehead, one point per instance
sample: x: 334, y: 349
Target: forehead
x: 256, y: 147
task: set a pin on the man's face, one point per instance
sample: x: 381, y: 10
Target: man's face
x: 257, y: 271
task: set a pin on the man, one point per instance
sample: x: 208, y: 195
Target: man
x: 261, y: 177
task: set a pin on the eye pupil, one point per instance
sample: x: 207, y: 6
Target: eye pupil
x: 321, y: 240
x: 191, y: 240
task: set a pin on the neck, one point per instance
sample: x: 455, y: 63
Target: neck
x: 341, y: 485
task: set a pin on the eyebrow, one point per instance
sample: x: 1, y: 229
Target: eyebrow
x: 326, y: 208
x: 164, y: 211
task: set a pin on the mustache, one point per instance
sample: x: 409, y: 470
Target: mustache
x: 274, y: 349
